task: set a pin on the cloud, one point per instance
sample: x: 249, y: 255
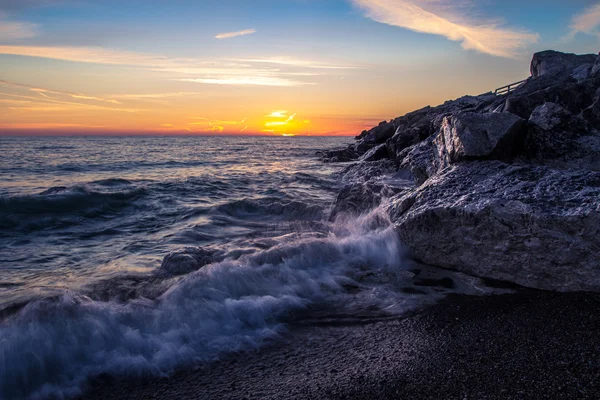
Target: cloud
x: 277, y: 114
x: 294, y: 62
x: 451, y: 21
x: 205, y: 125
x: 15, y: 30
x: 229, y: 35
x: 213, y: 72
x: 44, y: 92
x: 247, y: 81
x: 97, y: 55
x: 272, y: 124
x: 587, y: 21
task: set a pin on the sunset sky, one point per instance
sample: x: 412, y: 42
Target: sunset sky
x: 269, y: 67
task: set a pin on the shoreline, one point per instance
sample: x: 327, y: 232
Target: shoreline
x: 531, y: 344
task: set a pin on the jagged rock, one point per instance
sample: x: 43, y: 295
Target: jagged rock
x: 557, y: 137
x: 422, y: 161
x: 592, y: 113
x: 471, y: 135
x: 365, y: 171
x: 508, y: 185
x: 380, y: 133
x: 531, y: 225
x: 184, y: 261
x: 582, y: 72
x: 376, y: 153
x: 551, y: 62
x: 359, y: 198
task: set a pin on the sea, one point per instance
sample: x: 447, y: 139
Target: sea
x: 138, y: 256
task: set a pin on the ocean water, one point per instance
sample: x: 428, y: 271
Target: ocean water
x: 135, y: 256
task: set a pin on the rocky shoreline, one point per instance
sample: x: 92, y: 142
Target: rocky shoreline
x: 498, y: 186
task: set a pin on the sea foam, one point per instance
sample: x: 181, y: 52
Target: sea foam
x: 53, y: 346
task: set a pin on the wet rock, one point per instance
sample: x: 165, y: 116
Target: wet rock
x: 531, y: 225
x: 184, y: 261
x: 340, y: 155
x: 359, y: 198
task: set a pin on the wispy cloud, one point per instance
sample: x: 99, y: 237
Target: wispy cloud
x: 451, y: 21
x: 206, y: 71
x: 248, y: 81
x: 207, y: 125
x: 587, y: 21
x: 14, y: 30
x: 278, y: 114
x: 280, y: 123
x: 45, y: 92
x: 229, y: 35
x: 295, y: 62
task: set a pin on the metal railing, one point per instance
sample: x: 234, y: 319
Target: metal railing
x: 509, y: 88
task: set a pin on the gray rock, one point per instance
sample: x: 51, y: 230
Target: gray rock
x: 376, y: 153
x: 356, y: 199
x: 471, y: 135
x: 551, y: 62
x: 422, y: 161
x: 531, y: 225
x: 364, y: 171
x: 582, y: 72
x: 380, y: 133
x: 559, y: 138
x: 184, y: 261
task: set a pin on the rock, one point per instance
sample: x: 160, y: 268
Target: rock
x: 184, y: 261
x: 471, y: 135
x: 365, y: 171
x: 376, y: 153
x: 340, y: 155
x: 582, y: 72
x: 422, y: 161
x: 531, y: 225
x: 551, y: 62
x: 557, y: 137
x: 380, y: 133
x: 359, y: 198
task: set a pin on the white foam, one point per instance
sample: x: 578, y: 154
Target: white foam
x: 52, y: 347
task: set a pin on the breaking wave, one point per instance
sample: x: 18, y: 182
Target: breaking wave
x: 53, y: 346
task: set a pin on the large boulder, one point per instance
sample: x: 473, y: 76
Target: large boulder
x: 532, y: 225
x: 552, y: 62
x: 559, y: 138
x: 472, y: 135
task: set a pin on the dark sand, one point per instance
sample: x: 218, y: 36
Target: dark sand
x: 529, y: 345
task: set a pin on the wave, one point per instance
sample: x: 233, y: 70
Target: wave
x: 230, y: 305
x: 44, y: 210
x: 268, y: 207
x: 62, y: 200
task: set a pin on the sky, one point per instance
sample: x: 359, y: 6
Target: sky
x: 269, y: 67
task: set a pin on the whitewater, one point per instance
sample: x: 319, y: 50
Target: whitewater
x: 136, y: 256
